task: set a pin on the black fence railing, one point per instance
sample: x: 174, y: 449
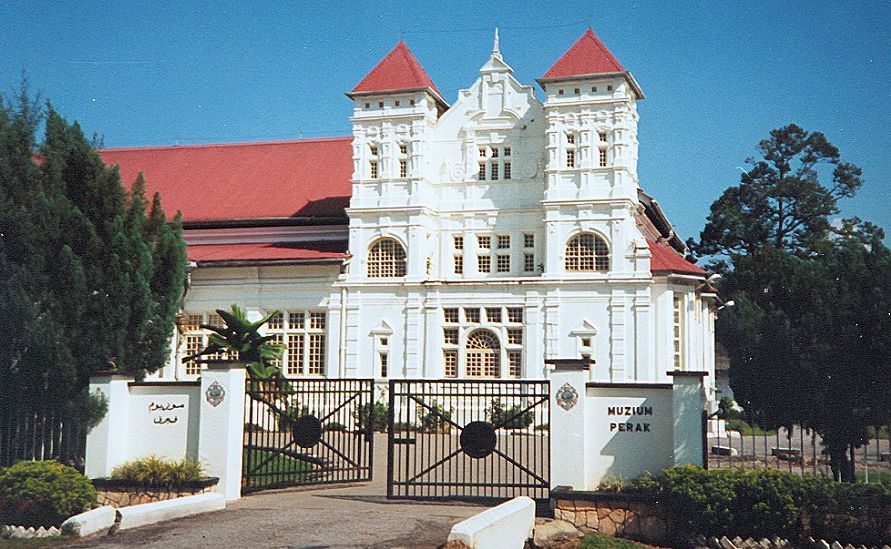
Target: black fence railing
x: 41, y: 435
x: 797, y: 450
x: 474, y: 440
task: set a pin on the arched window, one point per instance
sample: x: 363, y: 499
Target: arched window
x: 386, y: 259
x: 482, y: 355
x: 587, y: 252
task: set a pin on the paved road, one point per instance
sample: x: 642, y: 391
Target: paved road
x: 338, y: 517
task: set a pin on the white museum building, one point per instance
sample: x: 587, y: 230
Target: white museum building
x: 476, y: 239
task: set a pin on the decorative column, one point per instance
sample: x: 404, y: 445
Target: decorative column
x: 688, y: 405
x: 567, y: 437
x: 107, y: 442
x: 221, y: 428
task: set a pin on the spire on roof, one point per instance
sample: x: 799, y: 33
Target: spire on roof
x: 496, y: 62
x: 398, y: 71
x: 587, y: 56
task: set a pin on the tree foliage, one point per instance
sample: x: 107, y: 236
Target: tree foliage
x: 91, y: 275
x: 810, y: 332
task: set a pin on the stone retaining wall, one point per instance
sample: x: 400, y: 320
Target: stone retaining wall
x: 124, y: 494
x: 627, y: 515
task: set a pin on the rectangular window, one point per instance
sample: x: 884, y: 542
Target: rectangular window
x: 528, y: 240
x: 193, y: 343
x: 570, y: 159
x: 484, y: 263
x: 484, y: 242
x: 373, y: 150
x: 503, y: 241
x: 316, y: 321
x: 458, y: 241
x: 493, y: 315
x: 316, y: 355
x: 372, y: 169
x: 602, y: 158
x: 403, y: 148
x: 570, y: 139
x: 384, y: 360
x: 678, y: 331
x: 515, y: 363
x: 515, y: 336
x: 296, y: 321
x: 450, y: 336
x: 602, y: 136
x: 403, y: 168
x: 304, y: 343
x: 450, y: 360
x: 482, y: 172
x: 450, y: 315
x: 529, y: 263
x: 503, y: 264
x: 278, y: 339
x: 472, y: 315
x: 515, y: 315
x: 493, y: 170
x: 507, y: 170
x: 494, y: 152
x: 294, y: 355
x: 506, y: 151
x: 482, y: 152
x: 459, y: 264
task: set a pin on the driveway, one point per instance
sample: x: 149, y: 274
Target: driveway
x: 337, y: 516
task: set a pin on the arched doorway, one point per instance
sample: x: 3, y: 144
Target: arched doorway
x: 482, y: 355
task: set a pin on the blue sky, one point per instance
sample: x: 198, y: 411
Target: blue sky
x: 717, y: 75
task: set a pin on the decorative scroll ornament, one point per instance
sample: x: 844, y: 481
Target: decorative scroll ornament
x: 567, y: 396
x: 215, y: 394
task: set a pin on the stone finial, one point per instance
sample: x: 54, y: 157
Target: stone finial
x: 496, y: 48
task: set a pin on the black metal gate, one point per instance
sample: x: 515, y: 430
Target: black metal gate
x: 468, y: 440
x: 307, y: 431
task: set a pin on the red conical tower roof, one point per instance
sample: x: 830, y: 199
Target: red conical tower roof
x: 398, y: 71
x: 587, y: 56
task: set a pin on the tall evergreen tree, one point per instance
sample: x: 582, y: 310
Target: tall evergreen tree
x: 90, y: 276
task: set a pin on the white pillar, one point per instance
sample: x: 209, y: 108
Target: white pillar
x: 107, y: 442
x: 568, y: 442
x: 688, y: 404
x: 221, y: 428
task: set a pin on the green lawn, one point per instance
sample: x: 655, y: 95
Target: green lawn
x: 280, y: 469
x: 599, y: 541
x: 883, y: 477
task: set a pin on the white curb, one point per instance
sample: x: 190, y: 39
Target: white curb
x: 91, y: 522
x: 504, y: 526
x: 150, y: 513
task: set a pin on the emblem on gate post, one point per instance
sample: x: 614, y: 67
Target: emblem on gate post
x: 215, y: 394
x: 567, y: 396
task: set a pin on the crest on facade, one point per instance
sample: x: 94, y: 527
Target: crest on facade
x: 215, y: 394
x: 567, y: 396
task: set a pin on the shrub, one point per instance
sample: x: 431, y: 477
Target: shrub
x: 335, y: 426
x: 155, y: 471
x: 253, y: 428
x: 43, y: 493
x: 764, y: 502
x: 434, y: 420
x: 512, y: 417
x: 376, y: 413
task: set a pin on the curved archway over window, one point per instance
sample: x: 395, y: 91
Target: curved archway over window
x: 482, y: 355
x: 587, y: 252
x: 386, y: 259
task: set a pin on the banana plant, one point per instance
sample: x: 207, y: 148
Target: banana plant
x: 240, y: 338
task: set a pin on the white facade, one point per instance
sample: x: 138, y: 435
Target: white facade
x: 497, y: 164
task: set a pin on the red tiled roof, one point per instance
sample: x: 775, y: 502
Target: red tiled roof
x: 274, y: 251
x: 285, y: 179
x: 587, y: 56
x: 399, y: 70
x: 664, y: 258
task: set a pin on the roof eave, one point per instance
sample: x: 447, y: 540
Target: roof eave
x: 626, y: 74
x: 269, y: 262
x: 438, y: 98
x: 264, y: 222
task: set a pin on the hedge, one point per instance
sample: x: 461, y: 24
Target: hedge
x: 763, y: 502
x: 43, y: 493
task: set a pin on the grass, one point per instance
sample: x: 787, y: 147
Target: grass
x: 883, y: 477
x: 736, y: 424
x: 599, y: 541
x: 34, y: 543
x: 280, y: 469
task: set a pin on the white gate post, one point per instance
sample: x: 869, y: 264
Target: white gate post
x: 107, y: 441
x: 688, y: 404
x: 567, y: 433
x: 221, y: 425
